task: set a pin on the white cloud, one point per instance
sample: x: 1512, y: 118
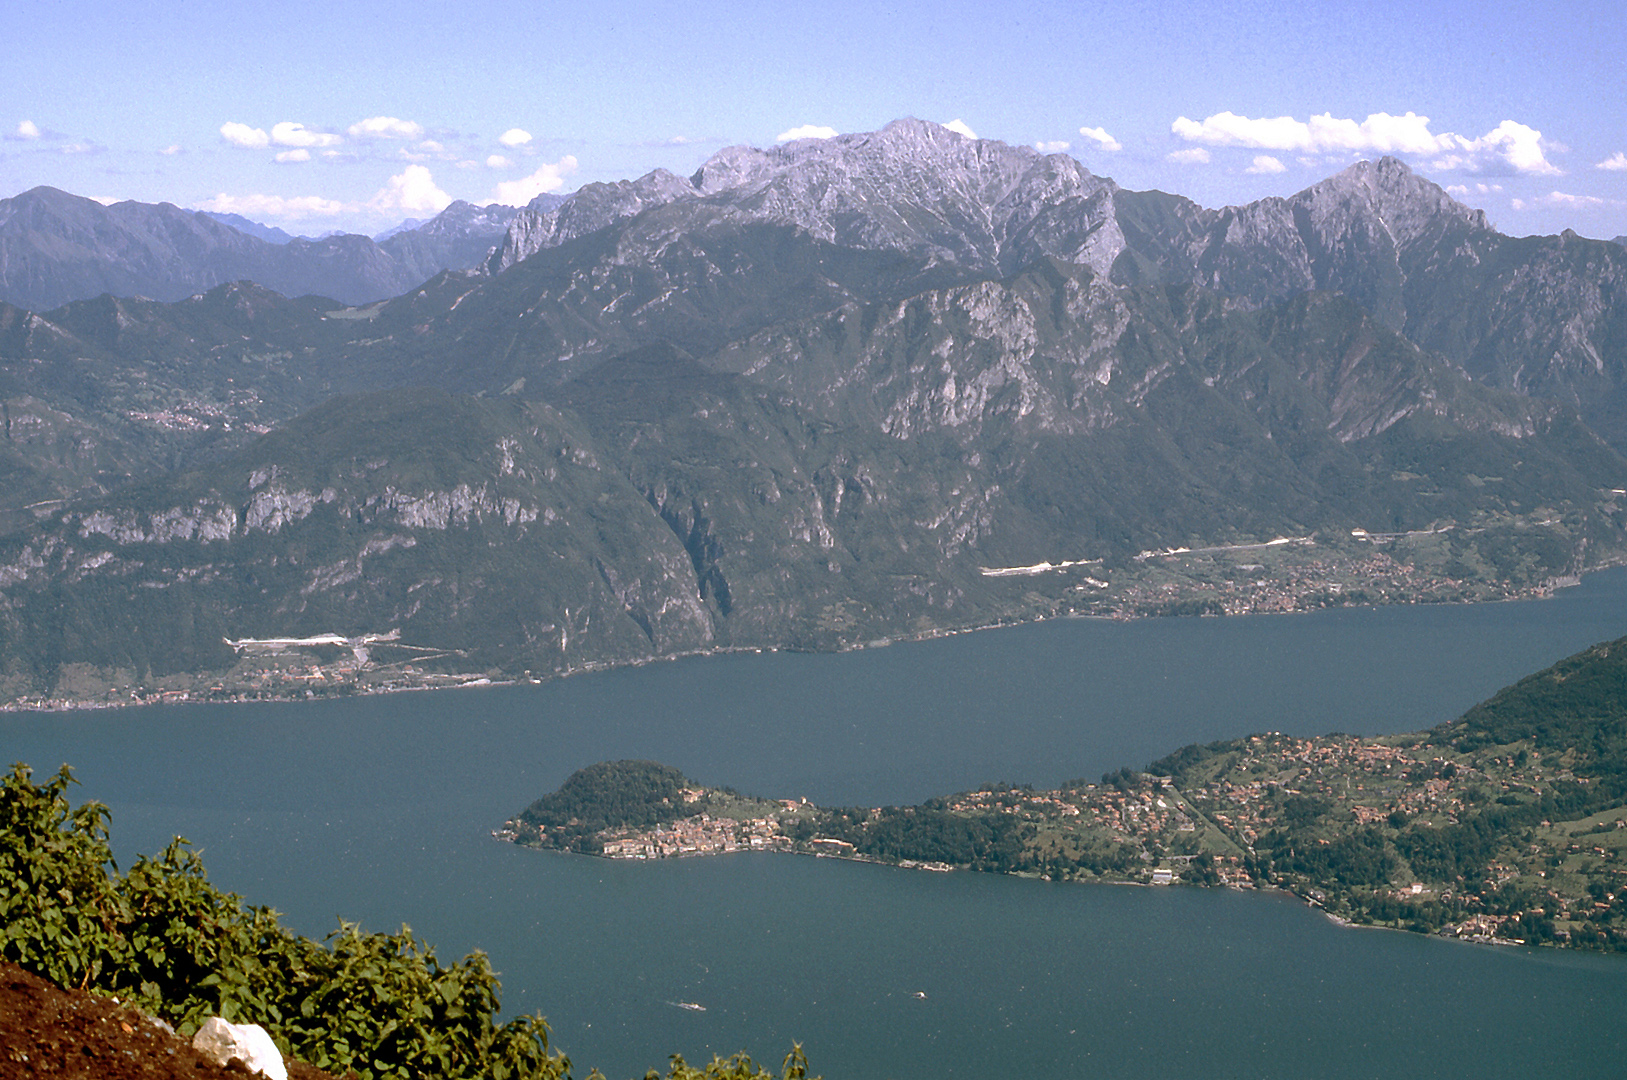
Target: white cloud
x: 468, y: 163
x: 81, y: 148
x: 806, y: 131
x: 288, y: 156
x: 1561, y: 200
x: 1520, y: 147
x: 1463, y: 190
x: 958, y: 126
x: 1195, y: 155
x: 171, y: 150
x: 413, y: 189
x: 1380, y: 132
x: 548, y: 178
x: 514, y: 137
x: 27, y: 129
x: 105, y: 200
x: 242, y: 135
x: 1509, y: 145
x: 289, y: 133
x: 1102, y: 139
x: 1265, y: 165
x: 273, y: 206
x: 430, y: 146
x: 385, y: 127
x: 1055, y: 147
x: 498, y: 161
x: 1614, y: 163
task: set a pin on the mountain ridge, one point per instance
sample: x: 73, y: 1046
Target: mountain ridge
x: 56, y: 248
x: 887, y: 385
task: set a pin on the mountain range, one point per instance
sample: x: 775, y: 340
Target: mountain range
x: 56, y: 248
x: 890, y: 383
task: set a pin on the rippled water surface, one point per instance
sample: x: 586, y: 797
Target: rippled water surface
x: 380, y: 809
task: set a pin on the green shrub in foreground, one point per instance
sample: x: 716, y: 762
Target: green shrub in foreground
x: 163, y: 938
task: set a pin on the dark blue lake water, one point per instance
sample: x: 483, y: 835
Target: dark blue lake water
x: 380, y: 810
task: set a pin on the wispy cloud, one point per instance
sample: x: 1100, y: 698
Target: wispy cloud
x: 960, y: 127
x: 1056, y: 146
x: 289, y: 133
x: 385, y: 127
x: 1462, y: 191
x: 551, y: 177
x: 1102, y: 139
x: 298, y: 208
x: 290, y: 156
x: 1562, y: 200
x: 806, y: 131
x: 1510, y: 145
x: 1193, y: 155
x: 1616, y: 162
x: 1266, y: 165
x: 498, y: 161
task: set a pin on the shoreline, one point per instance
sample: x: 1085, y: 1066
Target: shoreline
x: 945, y: 868
x: 474, y: 680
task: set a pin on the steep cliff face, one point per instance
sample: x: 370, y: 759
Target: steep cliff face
x: 492, y: 532
x: 1545, y: 316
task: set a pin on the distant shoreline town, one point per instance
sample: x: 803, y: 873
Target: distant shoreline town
x: 332, y: 665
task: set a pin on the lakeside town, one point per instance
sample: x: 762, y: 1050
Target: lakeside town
x: 1366, y: 829
x: 1278, y: 576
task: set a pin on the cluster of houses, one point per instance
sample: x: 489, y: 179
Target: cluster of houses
x: 698, y: 835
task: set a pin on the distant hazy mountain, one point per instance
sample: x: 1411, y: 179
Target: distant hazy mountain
x: 399, y: 227
x: 269, y: 233
x: 56, y: 247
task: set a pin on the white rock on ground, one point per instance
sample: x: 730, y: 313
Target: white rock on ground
x: 248, y: 1043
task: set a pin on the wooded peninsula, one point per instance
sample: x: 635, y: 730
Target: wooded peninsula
x: 1506, y: 825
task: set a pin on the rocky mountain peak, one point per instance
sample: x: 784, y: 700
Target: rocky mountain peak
x: 912, y: 186
x: 1408, y: 206
x: 590, y: 209
x: 462, y: 218
x: 731, y: 167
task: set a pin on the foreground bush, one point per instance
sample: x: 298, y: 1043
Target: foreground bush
x: 163, y: 938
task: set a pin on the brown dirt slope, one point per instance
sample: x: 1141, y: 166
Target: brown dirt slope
x: 78, y: 1035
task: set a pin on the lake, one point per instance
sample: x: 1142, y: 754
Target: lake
x: 380, y: 809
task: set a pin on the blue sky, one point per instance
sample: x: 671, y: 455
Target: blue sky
x: 355, y: 115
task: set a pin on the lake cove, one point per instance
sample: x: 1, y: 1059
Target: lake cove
x: 380, y: 809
